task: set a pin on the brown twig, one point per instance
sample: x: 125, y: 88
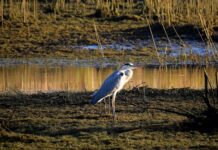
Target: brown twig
x: 216, y: 75
x: 206, y: 99
x: 152, y: 36
x: 98, y: 39
x: 208, y: 82
x: 174, y: 112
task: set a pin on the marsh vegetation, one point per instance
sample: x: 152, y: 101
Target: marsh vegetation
x: 151, y: 118
x: 67, y: 120
x: 55, y: 53
x: 56, y: 29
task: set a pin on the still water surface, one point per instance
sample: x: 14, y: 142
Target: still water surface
x: 34, y: 78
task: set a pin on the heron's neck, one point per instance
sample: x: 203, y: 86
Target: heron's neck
x: 127, y: 72
x: 124, y: 69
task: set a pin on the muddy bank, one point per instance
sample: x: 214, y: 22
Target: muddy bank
x: 68, y: 37
x: 67, y: 120
x: 77, y: 98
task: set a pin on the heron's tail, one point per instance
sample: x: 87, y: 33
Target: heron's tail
x: 97, y: 97
x: 94, y: 100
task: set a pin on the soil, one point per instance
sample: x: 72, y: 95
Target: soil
x: 145, y: 118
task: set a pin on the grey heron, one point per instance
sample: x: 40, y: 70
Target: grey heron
x: 113, y: 84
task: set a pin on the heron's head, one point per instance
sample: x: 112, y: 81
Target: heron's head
x: 128, y: 66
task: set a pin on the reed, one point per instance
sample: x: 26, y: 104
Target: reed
x: 168, y: 11
x: 183, y: 44
x: 170, y: 44
x: 155, y: 47
x: 216, y: 75
x: 201, y: 13
x: 2, y: 12
x: 35, y: 6
x: 207, y: 28
x: 172, y: 11
x: 24, y: 10
x: 210, y: 102
x: 98, y: 39
x: 59, y: 5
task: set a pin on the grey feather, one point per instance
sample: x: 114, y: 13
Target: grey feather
x: 127, y: 73
x: 109, y: 85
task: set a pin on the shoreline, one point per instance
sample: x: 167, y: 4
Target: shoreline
x: 64, y: 38
x: 99, y: 62
x: 66, y: 120
x: 150, y: 92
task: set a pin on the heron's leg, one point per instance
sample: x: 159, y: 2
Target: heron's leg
x: 109, y: 105
x: 113, y: 106
x: 100, y: 111
x: 105, y: 104
x: 101, y: 107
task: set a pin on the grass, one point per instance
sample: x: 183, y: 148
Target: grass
x: 46, y: 29
x: 57, y: 39
x: 67, y: 120
x: 170, y: 11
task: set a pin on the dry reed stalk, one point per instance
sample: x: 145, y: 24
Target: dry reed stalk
x: 155, y: 47
x: 206, y: 50
x: 59, y: 5
x: 98, y: 39
x: 206, y: 99
x: 24, y: 10
x: 165, y: 31
x: 2, y: 12
x: 10, y: 9
x: 207, y: 33
x: 208, y: 82
x: 170, y: 10
x: 181, y: 42
x: 56, y: 7
x: 204, y: 26
x: 35, y: 3
x: 216, y: 75
x: 130, y: 4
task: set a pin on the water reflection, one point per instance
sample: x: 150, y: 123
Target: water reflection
x: 32, y: 78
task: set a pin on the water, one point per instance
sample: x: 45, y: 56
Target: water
x: 26, y: 77
x: 175, y: 49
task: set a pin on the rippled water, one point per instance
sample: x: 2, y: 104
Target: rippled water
x: 47, y: 78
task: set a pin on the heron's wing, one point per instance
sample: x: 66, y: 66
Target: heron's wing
x: 109, y: 85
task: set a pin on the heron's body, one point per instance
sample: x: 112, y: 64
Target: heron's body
x: 113, y: 84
